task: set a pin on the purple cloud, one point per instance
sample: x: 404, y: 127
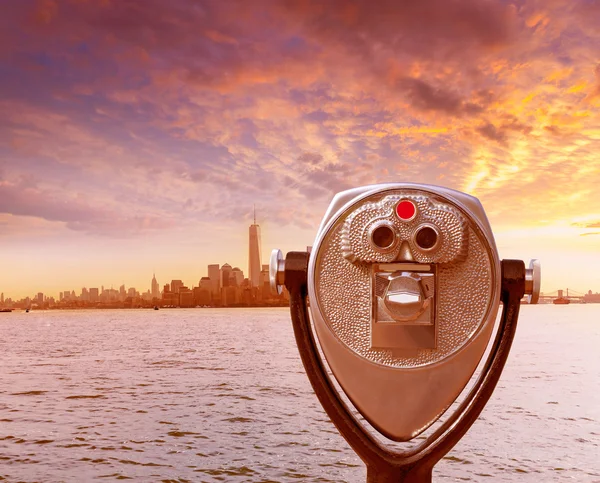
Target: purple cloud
x: 78, y: 214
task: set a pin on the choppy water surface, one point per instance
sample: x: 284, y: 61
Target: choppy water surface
x: 221, y: 395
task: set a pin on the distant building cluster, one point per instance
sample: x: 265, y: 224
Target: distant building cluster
x: 224, y: 286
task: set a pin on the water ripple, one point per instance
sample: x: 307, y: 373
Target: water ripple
x: 221, y: 395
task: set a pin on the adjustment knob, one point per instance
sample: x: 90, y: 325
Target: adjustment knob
x: 533, y: 280
x: 277, y: 271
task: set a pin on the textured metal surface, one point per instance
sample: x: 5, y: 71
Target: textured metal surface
x: 465, y: 273
x: 450, y: 224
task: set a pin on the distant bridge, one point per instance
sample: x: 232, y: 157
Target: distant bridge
x: 572, y: 295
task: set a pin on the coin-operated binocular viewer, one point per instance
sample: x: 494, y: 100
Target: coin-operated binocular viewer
x: 404, y: 284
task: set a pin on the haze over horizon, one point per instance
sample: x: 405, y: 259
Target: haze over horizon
x: 135, y: 137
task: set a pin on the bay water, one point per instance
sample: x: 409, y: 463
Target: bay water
x: 209, y: 395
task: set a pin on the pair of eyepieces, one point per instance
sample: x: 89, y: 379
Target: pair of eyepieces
x: 384, y: 237
x: 425, y: 236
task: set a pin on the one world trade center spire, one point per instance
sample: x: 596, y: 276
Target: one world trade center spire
x: 254, y: 262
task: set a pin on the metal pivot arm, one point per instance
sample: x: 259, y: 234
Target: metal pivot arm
x: 383, y: 464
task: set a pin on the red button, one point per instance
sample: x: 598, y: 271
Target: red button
x: 406, y: 210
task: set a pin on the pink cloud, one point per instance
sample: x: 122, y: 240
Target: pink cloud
x: 77, y: 213
x: 419, y: 27
x: 428, y: 98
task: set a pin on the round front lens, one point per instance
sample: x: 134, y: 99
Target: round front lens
x: 383, y: 236
x: 426, y: 237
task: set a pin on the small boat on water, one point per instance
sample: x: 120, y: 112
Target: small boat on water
x: 561, y: 299
x: 6, y: 310
x: 156, y: 307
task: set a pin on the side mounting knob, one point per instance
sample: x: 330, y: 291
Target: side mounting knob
x: 533, y: 280
x: 277, y: 271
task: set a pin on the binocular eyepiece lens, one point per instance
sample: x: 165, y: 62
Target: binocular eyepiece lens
x: 383, y: 236
x: 426, y: 237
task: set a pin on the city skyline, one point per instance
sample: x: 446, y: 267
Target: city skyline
x: 213, y: 289
x: 7, y: 293
x: 133, y: 291
x: 138, y: 135
x: 213, y: 272
x: 217, y: 275
x: 222, y: 285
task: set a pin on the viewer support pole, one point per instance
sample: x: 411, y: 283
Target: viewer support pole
x: 415, y: 465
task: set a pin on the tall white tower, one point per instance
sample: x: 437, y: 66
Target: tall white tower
x: 254, y: 265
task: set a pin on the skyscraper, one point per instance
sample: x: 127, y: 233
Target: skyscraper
x: 214, y: 273
x: 225, y: 275
x: 237, y: 276
x: 155, y: 288
x: 254, y: 264
x: 176, y: 285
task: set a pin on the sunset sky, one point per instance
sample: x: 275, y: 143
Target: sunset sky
x: 135, y: 135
